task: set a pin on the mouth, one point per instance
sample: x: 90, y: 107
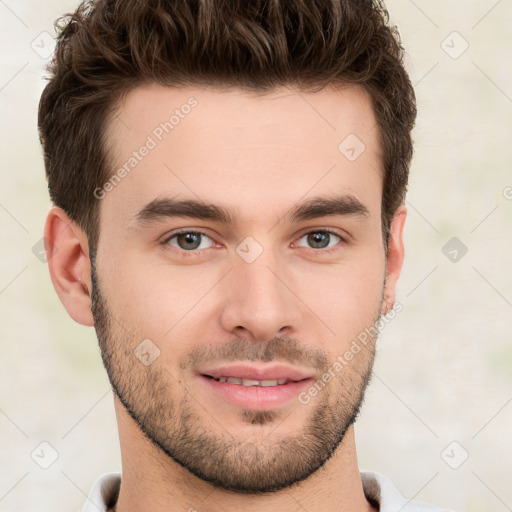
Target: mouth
x: 252, y: 382
x: 255, y: 387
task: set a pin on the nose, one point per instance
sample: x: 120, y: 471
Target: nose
x: 260, y: 301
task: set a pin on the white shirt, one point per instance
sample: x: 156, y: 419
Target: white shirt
x: 377, y: 488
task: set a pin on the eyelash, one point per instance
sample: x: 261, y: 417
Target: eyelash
x: 197, y: 252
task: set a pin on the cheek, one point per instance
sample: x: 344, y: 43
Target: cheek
x: 346, y: 297
x: 157, y: 299
x: 151, y: 299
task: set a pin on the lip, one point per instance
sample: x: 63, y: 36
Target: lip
x: 256, y: 398
x: 268, y: 372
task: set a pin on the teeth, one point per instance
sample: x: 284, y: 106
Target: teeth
x: 251, y: 382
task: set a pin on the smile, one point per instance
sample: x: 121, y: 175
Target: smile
x: 251, y: 382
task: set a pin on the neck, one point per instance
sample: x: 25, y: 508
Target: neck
x: 153, y: 481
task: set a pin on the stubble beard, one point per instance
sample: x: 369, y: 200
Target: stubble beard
x: 170, y: 418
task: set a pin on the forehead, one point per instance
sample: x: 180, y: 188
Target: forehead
x: 281, y: 115
x: 240, y: 148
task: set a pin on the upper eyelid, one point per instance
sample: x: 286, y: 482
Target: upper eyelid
x: 168, y: 237
x: 333, y: 231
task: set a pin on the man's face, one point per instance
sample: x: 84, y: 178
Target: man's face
x: 268, y: 290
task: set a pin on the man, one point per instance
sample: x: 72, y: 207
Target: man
x: 228, y: 180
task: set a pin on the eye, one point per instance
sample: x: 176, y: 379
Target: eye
x: 321, y: 239
x: 187, y: 240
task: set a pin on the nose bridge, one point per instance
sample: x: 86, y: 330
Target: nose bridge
x: 257, y: 271
x: 258, y: 300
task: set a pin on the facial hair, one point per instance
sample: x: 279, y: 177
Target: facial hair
x: 169, y: 416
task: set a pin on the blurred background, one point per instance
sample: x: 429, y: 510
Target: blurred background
x: 438, y: 414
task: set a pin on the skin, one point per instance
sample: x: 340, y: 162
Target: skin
x: 257, y: 156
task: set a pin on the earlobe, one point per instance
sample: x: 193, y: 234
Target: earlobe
x: 394, y: 258
x: 67, y: 254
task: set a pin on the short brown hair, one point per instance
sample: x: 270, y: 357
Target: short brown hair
x: 108, y: 47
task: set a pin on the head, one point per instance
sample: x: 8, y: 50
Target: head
x: 229, y: 180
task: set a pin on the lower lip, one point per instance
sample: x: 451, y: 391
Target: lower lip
x: 257, y: 397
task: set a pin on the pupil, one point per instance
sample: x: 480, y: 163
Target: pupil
x: 317, y: 239
x: 189, y: 238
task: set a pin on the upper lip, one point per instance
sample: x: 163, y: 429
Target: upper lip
x: 268, y: 372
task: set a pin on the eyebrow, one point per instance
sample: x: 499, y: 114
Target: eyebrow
x: 164, y: 208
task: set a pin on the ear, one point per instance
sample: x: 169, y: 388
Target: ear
x: 394, y: 258
x: 67, y: 254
